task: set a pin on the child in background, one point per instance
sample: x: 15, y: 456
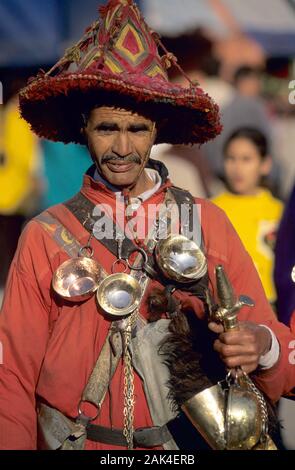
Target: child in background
x: 253, y: 211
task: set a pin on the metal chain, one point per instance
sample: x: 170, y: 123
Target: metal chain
x: 262, y: 404
x: 129, y: 401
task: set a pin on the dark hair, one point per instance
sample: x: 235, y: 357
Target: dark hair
x: 254, y: 135
x: 244, y: 72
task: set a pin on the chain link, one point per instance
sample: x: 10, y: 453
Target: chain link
x: 129, y: 401
x: 262, y: 405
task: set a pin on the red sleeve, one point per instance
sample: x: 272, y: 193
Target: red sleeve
x: 225, y: 247
x: 23, y: 337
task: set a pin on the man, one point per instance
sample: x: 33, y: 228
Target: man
x: 91, y: 366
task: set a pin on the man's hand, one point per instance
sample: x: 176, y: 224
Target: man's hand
x: 242, y: 347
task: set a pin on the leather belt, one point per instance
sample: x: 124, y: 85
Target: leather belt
x: 143, y: 437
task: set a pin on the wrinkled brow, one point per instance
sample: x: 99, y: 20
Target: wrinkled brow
x: 112, y: 126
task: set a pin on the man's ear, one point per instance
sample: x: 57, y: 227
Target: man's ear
x: 266, y: 166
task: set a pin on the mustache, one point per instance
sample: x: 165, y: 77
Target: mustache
x: 128, y: 159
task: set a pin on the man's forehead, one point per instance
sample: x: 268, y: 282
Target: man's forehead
x: 114, y: 113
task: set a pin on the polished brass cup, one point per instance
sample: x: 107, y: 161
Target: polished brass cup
x: 206, y: 411
x: 226, y: 418
x: 119, y: 294
x: 180, y: 259
x: 77, y: 279
x: 243, y: 423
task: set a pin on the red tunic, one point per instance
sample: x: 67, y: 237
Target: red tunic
x: 49, y: 348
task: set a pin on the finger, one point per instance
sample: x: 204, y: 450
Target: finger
x: 226, y: 350
x: 237, y: 337
x: 250, y: 368
x: 240, y: 361
x: 215, y: 327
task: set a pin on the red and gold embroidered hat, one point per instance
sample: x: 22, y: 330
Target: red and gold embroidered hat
x: 117, y: 57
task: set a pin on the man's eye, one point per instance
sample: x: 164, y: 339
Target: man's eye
x: 105, y: 130
x: 139, y: 130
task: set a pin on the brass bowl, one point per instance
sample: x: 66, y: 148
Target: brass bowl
x: 180, y: 259
x: 77, y: 279
x: 119, y: 294
x: 243, y: 424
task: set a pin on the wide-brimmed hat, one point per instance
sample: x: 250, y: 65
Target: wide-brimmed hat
x: 117, y: 59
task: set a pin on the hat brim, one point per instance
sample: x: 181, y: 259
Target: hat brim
x: 52, y: 106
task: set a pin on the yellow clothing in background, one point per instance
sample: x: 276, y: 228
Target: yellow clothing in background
x: 255, y: 218
x: 19, y: 157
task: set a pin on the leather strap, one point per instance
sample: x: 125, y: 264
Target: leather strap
x: 63, y: 238
x: 83, y: 209
x: 104, y: 369
x: 144, y: 437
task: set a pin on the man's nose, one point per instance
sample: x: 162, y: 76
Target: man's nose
x: 122, y: 145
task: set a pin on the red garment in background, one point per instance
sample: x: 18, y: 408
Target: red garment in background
x: 50, y: 347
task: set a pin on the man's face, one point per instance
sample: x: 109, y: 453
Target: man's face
x: 119, y: 141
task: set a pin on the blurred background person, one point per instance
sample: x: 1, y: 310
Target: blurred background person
x: 194, y: 51
x: 247, y: 106
x: 20, y: 181
x: 284, y: 272
x: 245, y: 109
x: 284, y: 276
x: 252, y: 209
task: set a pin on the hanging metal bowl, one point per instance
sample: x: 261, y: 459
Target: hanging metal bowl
x: 119, y: 294
x: 243, y: 423
x: 77, y: 279
x: 180, y: 259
